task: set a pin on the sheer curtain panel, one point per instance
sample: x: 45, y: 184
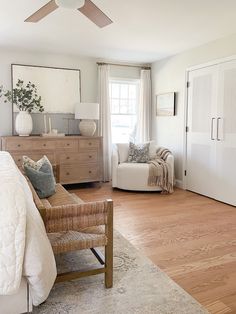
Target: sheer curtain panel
x: 144, y: 111
x: 105, y: 118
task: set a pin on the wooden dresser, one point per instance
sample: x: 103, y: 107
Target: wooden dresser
x: 79, y: 158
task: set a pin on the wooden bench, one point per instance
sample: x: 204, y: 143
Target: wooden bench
x: 73, y: 225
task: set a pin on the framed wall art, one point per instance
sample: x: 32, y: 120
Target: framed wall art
x: 165, y: 104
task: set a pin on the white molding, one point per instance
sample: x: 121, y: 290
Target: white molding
x: 124, y: 80
x: 184, y: 130
x: 210, y: 63
x: 179, y: 184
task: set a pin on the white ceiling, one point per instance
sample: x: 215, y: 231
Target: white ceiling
x: 143, y: 30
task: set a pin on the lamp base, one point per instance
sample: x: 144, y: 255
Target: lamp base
x: 87, y: 127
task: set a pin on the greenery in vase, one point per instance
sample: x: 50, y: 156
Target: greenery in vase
x: 25, y: 97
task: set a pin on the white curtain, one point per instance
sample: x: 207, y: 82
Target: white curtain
x: 105, y: 119
x: 143, y: 132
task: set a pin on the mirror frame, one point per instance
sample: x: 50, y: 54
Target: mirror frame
x: 39, y: 66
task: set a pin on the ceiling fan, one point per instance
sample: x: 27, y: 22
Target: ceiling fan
x: 86, y: 7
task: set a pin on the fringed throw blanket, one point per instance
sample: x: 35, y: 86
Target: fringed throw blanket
x: 160, y: 173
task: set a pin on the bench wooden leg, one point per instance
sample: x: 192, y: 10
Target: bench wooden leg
x: 109, y: 265
x: 109, y: 247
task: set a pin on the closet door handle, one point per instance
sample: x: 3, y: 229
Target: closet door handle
x: 217, y: 134
x: 212, y: 125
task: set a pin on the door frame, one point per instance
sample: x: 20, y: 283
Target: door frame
x: 187, y: 71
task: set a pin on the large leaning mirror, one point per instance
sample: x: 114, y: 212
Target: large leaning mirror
x: 60, y: 91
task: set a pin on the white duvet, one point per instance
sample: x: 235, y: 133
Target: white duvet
x: 24, y: 247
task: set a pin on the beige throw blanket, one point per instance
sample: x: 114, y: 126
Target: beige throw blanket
x: 160, y: 173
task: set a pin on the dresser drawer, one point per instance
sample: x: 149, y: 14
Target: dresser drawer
x: 71, y: 174
x: 43, y: 144
x: 18, y: 158
x: 70, y: 145
x: 18, y: 145
x: 86, y: 157
x: 89, y: 143
x: 68, y: 158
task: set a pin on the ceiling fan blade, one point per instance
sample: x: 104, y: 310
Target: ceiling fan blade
x: 42, y: 12
x: 92, y: 12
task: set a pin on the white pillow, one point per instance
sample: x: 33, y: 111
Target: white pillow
x: 123, y: 151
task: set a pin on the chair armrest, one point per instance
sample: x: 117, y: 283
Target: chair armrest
x: 78, y: 216
x: 170, y: 161
x: 115, y: 163
x: 115, y: 155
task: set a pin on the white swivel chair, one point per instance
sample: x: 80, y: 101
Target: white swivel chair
x: 133, y: 176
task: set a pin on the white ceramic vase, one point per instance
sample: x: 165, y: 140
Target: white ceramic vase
x: 24, y: 123
x: 87, y: 127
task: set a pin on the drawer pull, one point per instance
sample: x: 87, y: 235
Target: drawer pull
x: 90, y: 171
x: 67, y: 157
x: 90, y: 143
x: 44, y: 145
x: 19, y: 159
x: 68, y: 144
x: 19, y: 145
x: 67, y: 173
x: 90, y: 156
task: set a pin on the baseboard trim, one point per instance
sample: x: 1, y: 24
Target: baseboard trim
x: 179, y: 184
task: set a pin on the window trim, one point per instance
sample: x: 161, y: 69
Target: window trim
x: 128, y: 81
x: 123, y: 80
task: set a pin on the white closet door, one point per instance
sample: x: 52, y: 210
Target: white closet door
x: 226, y: 143
x: 201, y: 136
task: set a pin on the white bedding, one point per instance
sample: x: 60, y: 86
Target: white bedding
x: 24, y: 247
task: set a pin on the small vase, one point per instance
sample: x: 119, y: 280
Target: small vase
x: 24, y: 123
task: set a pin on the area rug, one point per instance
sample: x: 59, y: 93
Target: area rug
x: 139, y: 287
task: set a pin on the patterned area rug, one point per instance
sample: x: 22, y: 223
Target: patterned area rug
x: 139, y: 287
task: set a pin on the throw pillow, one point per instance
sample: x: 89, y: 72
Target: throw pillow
x: 35, y: 164
x: 138, y: 153
x: 152, y: 149
x: 40, y: 175
x: 43, y: 164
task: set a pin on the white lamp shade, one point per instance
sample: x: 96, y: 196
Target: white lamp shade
x: 88, y: 111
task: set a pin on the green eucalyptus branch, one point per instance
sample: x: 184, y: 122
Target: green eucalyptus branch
x: 25, y: 97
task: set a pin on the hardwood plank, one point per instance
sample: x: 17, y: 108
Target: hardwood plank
x: 218, y: 307
x: 191, y: 237
x: 229, y: 301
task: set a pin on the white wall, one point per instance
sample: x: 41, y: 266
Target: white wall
x: 169, y: 75
x: 87, y: 66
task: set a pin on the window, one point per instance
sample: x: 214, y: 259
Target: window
x: 124, y: 96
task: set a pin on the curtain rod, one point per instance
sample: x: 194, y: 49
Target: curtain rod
x: 124, y: 65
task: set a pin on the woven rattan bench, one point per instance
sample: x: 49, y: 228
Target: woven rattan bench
x: 73, y: 225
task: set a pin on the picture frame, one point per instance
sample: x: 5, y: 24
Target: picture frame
x: 51, y: 84
x: 165, y: 104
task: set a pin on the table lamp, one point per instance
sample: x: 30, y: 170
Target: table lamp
x: 87, y: 112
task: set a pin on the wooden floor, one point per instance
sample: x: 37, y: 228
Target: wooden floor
x: 191, y: 237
